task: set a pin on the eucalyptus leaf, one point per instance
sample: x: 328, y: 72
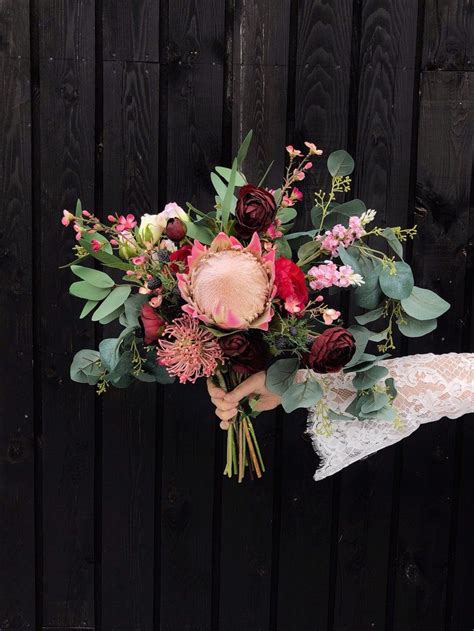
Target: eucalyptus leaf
x: 299, y: 235
x: 354, y: 207
x: 410, y: 327
x: 115, y: 299
x: 112, y: 316
x: 379, y: 401
x: 283, y: 247
x: 369, y: 378
x: 200, y: 233
x: 308, y: 249
x: 389, y: 235
x: 109, y: 352
x: 286, y: 214
x: 302, y: 395
x: 226, y: 173
x: 219, y: 186
x: 398, y: 285
x: 316, y: 216
x: 85, y: 367
x: 370, y: 316
x: 349, y: 256
x: 387, y: 414
x: 281, y: 374
x: 88, y: 307
x: 424, y: 304
x: 133, y: 306
x: 361, y: 336
x: 82, y: 289
x: 340, y: 163
x: 93, y: 276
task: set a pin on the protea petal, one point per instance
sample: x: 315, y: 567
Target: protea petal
x: 221, y: 242
x: 255, y: 246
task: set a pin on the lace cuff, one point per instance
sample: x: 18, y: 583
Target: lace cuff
x: 429, y: 387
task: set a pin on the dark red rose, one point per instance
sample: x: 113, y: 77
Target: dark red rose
x: 247, y: 354
x: 255, y: 211
x: 291, y: 285
x: 152, y: 324
x: 331, y: 350
x: 180, y: 256
x: 175, y: 229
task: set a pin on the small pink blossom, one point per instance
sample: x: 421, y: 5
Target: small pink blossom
x: 296, y: 194
x: 144, y: 290
x: 293, y: 152
x: 313, y: 150
x: 111, y: 218
x: 78, y: 230
x: 329, y: 315
x: 319, y: 298
x: 126, y: 223
x: 340, y: 235
x: 113, y: 242
x: 273, y: 231
x: 299, y: 175
x: 67, y: 218
x: 307, y: 166
x: 86, y: 213
x: 139, y: 260
x: 96, y: 245
x: 156, y: 301
x: 329, y: 275
x: 287, y: 201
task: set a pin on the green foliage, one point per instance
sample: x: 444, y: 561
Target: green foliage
x: 286, y: 214
x: 88, y: 307
x: 244, y: 147
x: 227, y: 201
x: 114, y: 300
x: 340, y: 163
x: 370, y: 316
x: 424, y: 304
x: 283, y: 248
x: 397, y: 285
x: 86, y: 367
x: 389, y: 235
x: 410, y: 327
x: 93, y: 276
x: 302, y: 395
x: 281, y: 374
x: 109, y: 260
x: 368, y: 378
x: 83, y: 289
x: 199, y: 232
x: 227, y: 173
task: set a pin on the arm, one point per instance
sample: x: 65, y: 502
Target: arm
x: 429, y: 386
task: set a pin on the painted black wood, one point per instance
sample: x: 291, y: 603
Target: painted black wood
x: 113, y: 513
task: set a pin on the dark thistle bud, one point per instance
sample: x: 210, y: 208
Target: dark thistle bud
x: 293, y: 331
x: 281, y: 342
x: 163, y: 256
x: 155, y: 283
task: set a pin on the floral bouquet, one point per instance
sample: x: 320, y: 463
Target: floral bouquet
x: 232, y: 291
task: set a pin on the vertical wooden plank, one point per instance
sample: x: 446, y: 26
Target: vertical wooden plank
x: 67, y: 172
x: 448, y: 41
x: 321, y: 115
x: 260, y: 70
x: 130, y: 30
x: 130, y: 184
x: 193, y: 44
x: 66, y: 155
x: 17, y: 449
x: 386, y: 91
x: 428, y: 474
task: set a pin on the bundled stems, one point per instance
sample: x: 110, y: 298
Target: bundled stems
x: 242, y: 446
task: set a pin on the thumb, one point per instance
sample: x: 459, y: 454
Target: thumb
x: 247, y: 387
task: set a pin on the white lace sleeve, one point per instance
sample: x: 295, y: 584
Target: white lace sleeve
x: 429, y: 387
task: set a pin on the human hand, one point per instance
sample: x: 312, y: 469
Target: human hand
x: 227, y: 402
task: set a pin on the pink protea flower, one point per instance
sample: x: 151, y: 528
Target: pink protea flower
x: 188, y: 351
x: 229, y: 285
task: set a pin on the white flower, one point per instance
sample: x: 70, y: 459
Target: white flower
x: 368, y: 216
x: 168, y: 245
x: 356, y: 279
x: 171, y: 211
x: 128, y: 247
x: 151, y: 228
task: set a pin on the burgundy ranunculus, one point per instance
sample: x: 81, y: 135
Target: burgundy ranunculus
x: 255, y: 211
x: 153, y: 324
x: 247, y: 354
x: 180, y: 256
x: 331, y: 350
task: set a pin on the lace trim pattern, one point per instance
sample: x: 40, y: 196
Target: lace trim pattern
x: 429, y: 386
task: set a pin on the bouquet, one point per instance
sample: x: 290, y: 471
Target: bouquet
x: 228, y: 291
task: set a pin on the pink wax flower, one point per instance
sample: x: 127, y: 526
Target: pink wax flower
x: 298, y: 175
x: 126, y: 223
x: 296, y: 194
x: 313, y: 150
x: 139, y: 260
x: 273, y: 232
x: 330, y: 315
x: 67, y: 218
x: 189, y: 351
x: 228, y: 285
x: 293, y: 152
x: 307, y: 166
x: 96, y: 245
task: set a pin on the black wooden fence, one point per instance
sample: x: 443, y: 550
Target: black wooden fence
x: 113, y: 511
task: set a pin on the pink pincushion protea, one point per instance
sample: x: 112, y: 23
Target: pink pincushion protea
x: 190, y: 351
x: 228, y: 285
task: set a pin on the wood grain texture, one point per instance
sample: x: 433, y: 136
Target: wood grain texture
x: 448, y: 38
x: 439, y: 258
x: 17, y: 535
x: 130, y: 159
x: 67, y: 159
x: 131, y: 30
x: 387, y: 74
x: 66, y: 29
x: 322, y: 93
x: 192, y: 101
x: 187, y: 509
x: 15, y: 28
